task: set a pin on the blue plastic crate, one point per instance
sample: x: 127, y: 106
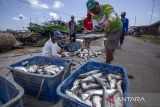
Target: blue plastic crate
x: 72, y: 47
x: 43, y: 85
x: 91, y: 65
x: 10, y: 93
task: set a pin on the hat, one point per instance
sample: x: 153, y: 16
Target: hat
x: 72, y: 16
x: 56, y: 33
x: 90, y: 4
x: 123, y: 13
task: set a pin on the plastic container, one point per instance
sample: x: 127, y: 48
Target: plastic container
x: 10, y: 93
x: 91, y: 65
x: 72, y: 47
x: 41, y: 86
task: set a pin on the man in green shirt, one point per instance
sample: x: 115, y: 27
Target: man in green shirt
x: 107, y: 19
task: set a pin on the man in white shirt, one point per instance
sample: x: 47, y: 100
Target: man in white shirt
x: 51, y: 47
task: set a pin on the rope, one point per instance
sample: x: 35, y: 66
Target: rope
x: 40, y: 89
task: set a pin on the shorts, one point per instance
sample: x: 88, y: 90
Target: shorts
x: 112, y: 39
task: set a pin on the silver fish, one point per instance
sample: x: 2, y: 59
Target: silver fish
x: 113, y: 76
x: 46, y: 72
x: 61, y: 68
x: 33, y: 68
x: 106, y: 93
x: 71, y: 94
x: 21, y: 68
x: 118, y: 102
x: 90, y: 78
x: 119, y: 87
x: 84, y: 85
x: 76, y: 86
x: 96, y: 101
x: 52, y: 66
x: 95, y: 92
x: 109, y: 78
x: 84, y: 75
x: 40, y: 70
x: 49, y: 70
x: 91, y: 86
x: 78, y: 91
x: 84, y: 96
x: 113, y: 83
x: 107, y: 85
x: 88, y: 102
x: 77, y: 82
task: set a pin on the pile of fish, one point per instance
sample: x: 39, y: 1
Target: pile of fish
x: 98, y: 89
x: 43, y: 69
x: 88, y: 53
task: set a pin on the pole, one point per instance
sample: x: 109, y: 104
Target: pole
x: 30, y: 20
x: 152, y: 12
x: 135, y: 21
x: 36, y: 21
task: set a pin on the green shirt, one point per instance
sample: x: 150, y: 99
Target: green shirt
x: 107, y: 13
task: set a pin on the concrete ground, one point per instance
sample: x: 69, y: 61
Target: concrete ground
x: 141, y: 60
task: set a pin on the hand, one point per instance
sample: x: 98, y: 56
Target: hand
x: 106, y: 25
x: 63, y: 55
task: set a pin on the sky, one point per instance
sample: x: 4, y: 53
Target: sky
x: 15, y: 14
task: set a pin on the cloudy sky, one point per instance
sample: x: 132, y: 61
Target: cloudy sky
x: 16, y: 14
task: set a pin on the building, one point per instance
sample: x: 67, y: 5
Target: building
x: 153, y: 29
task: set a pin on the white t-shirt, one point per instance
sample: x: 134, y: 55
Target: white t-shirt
x: 51, y: 49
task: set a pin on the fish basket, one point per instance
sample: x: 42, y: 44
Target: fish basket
x: 10, y: 93
x: 67, y: 101
x: 37, y: 85
x: 72, y: 47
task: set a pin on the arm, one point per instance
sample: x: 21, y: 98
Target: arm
x: 110, y: 13
x: 46, y: 50
x: 111, y: 19
x: 61, y: 52
x: 95, y: 24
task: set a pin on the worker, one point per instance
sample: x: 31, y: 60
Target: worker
x: 87, y: 22
x: 108, y: 20
x: 125, y: 22
x: 88, y: 25
x: 72, y: 29
x: 51, y: 47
